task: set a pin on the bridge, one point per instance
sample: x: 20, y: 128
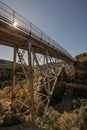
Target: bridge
x: 44, y: 56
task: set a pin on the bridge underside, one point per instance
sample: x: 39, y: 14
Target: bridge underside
x: 15, y: 37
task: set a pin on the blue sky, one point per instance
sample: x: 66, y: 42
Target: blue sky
x: 64, y: 20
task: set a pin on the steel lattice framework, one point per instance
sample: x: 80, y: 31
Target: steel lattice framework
x: 44, y: 56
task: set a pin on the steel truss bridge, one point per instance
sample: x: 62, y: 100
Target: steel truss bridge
x: 44, y: 56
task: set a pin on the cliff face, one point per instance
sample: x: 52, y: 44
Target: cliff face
x: 81, y: 57
x: 81, y: 68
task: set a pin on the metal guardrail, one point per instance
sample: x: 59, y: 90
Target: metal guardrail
x: 27, y: 27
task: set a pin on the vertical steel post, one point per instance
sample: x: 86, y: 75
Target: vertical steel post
x: 48, y: 73
x: 30, y: 77
x: 14, y: 74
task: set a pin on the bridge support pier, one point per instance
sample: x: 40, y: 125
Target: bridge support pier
x: 14, y: 75
x: 30, y: 78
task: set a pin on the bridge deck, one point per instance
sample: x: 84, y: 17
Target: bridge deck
x: 17, y: 31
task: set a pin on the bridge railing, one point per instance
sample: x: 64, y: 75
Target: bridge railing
x: 27, y: 27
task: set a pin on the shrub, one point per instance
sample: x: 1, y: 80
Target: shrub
x: 76, y: 103
x: 81, y: 120
x: 67, y: 121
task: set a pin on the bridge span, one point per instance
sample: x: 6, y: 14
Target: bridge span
x: 44, y: 56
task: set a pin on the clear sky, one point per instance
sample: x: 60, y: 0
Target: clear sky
x: 64, y: 20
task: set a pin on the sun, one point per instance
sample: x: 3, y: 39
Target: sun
x: 15, y: 24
